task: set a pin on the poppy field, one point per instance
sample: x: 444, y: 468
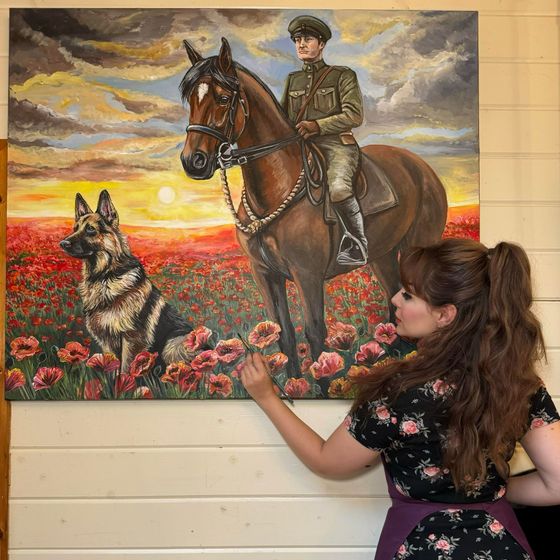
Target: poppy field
x: 50, y: 354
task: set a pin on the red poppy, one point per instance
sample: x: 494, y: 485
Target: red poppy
x: 73, y: 352
x: 143, y: 393
x: 296, y: 387
x: 302, y: 349
x: 385, y: 333
x: 189, y: 380
x: 15, y: 378
x: 173, y: 371
x: 197, y: 339
x: 142, y: 363
x: 276, y: 362
x: 265, y: 334
x: 124, y: 383
x: 340, y: 388
x: 328, y: 364
x: 205, y: 361
x: 341, y: 336
x: 369, y: 353
x: 92, y: 390
x: 220, y: 384
x: 46, y: 377
x: 105, y: 363
x: 24, y: 347
x: 229, y: 350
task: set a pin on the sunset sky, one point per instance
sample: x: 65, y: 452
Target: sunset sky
x: 95, y: 104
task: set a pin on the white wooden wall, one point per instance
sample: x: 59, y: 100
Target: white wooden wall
x: 169, y: 480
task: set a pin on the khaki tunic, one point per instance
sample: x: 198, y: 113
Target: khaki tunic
x: 337, y: 108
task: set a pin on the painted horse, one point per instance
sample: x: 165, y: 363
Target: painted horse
x: 236, y: 120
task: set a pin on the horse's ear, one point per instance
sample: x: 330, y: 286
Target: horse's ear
x: 106, y: 209
x: 81, y: 207
x: 225, y: 60
x: 194, y: 55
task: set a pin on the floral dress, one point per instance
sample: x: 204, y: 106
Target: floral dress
x: 408, y: 436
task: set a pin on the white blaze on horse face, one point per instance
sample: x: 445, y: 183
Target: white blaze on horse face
x: 202, y: 91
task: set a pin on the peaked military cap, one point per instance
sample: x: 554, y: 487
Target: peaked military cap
x: 309, y: 24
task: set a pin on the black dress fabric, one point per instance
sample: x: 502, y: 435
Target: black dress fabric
x: 409, y: 434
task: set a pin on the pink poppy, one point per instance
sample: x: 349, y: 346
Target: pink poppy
x: 238, y: 368
x: 341, y: 336
x: 305, y: 365
x: 46, y: 377
x: 142, y: 364
x: 205, y: 361
x: 302, y: 349
x: 189, y: 380
x: 24, y: 347
x: 296, y: 388
x: 265, y: 334
x: 327, y: 365
x: 369, y: 353
x: 340, y: 388
x: 105, y: 363
x: 229, y: 350
x: 142, y: 393
x: 15, y: 378
x: 73, y: 353
x: 124, y: 383
x: 220, y: 384
x: 197, y: 339
x: 385, y: 333
x: 409, y: 427
x: 276, y: 362
x: 92, y: 390
x: 173, y: 371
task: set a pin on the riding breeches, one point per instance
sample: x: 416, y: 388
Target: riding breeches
x: 342, y: 162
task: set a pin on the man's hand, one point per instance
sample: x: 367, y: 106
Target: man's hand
x: 307, y: 129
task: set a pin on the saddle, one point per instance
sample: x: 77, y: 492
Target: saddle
x: 372, y: 187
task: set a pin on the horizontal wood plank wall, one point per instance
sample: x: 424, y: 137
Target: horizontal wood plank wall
x: 163, y: 480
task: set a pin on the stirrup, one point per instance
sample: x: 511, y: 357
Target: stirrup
x: 342, y: 257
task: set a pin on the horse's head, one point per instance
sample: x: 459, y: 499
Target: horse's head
x: 218, y: 110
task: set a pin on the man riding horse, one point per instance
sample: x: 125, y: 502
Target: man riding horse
x: 328, y: 119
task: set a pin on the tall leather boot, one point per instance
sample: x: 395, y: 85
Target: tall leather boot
x: 353, y: 246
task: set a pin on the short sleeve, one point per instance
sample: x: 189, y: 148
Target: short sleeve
x: 542, y: 410
x: 373, y: 424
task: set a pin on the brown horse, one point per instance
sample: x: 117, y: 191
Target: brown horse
x: 282, y: 232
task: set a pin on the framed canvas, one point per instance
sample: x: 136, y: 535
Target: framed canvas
x: 185, y: 181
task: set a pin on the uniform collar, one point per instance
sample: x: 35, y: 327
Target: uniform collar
x: 314, y: 66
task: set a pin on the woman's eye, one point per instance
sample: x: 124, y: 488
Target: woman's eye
x: 406, y: 295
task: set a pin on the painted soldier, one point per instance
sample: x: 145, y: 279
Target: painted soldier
x: 328, y: 119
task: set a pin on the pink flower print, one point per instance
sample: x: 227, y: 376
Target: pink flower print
x: 402, y: 550
x: 347, y: 421
x: 442, y: 544
x: 538, y: 422
x: 496, y: 527
x: 432, y: 471
x: 440, y: 387
x: 409, y: 427
x: 432, y: 537
x: 501, y: 492
x: 385, y: 333
x: 382, y: 412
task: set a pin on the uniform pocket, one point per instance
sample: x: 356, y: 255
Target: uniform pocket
x: 296, y: 100
x: 325, y: 99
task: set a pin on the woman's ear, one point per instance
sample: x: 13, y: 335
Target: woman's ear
x: 447, y: 314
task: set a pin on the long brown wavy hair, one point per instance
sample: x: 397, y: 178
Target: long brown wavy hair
x: 488, y: 353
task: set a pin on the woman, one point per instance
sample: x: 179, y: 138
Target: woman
x: 446, y: 421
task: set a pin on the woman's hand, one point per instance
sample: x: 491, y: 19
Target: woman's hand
x: 256, y: 379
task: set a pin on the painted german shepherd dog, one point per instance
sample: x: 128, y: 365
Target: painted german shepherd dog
x: 124, y: 311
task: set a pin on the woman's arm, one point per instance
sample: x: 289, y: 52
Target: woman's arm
x: 542, y: 487
x: 339, y: 456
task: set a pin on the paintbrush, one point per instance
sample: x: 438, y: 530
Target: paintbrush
x: 252, y: 351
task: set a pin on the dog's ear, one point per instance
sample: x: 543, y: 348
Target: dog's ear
x: 81, y: 207
x: 106, y: 209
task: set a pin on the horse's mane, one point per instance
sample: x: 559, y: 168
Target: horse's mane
x: 209, y: 67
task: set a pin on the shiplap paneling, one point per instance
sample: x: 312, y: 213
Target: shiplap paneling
x: 205, y: 522
x: 200, y: 553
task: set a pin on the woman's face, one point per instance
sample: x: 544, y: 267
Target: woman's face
x: 415, y: 318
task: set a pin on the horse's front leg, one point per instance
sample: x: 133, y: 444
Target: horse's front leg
x: 273, y: 289
x: 311, y: 290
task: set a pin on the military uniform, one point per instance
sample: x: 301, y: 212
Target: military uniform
x: 336, y: 108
